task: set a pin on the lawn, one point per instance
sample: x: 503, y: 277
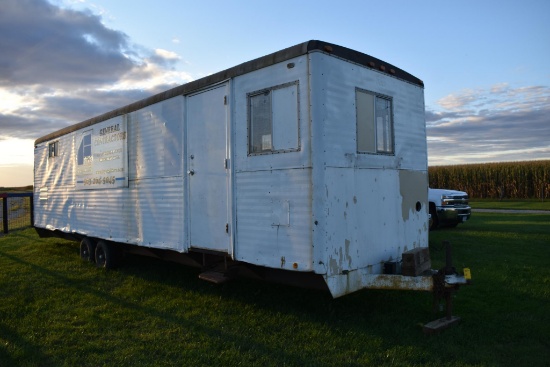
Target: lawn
x: 56, y: 310
x: 524, y: 204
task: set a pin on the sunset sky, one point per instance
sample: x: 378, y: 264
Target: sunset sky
x: 485, y: 64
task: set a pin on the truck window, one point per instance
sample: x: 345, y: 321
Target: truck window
x: 374, y: 123
x: 273, y: 120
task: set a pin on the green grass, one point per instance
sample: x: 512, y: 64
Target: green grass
x: 524, y: 204
x: 56, y: 310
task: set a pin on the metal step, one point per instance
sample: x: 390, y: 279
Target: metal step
x: 215, y: 277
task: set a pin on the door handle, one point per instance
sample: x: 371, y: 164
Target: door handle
x: 191, y: 172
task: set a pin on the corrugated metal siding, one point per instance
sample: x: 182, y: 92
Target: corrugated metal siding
x: 272, y: 192
x: 264, y: 236
x: 149, y: 212
x: 56, y: 175
x: 155, y: 146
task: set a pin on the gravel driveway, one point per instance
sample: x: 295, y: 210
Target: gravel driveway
x: 512, y: 211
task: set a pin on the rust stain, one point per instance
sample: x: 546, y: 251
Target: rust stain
x: 348, y: 257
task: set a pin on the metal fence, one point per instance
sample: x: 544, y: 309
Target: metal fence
x: 17, y: 211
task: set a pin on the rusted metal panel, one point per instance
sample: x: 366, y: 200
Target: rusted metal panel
x: 349, y: 282
x: 399, y: 282
x: 416, y: 261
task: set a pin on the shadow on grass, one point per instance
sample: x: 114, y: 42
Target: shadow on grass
x: 83, y: 286
x: 12, y: 340
x: 367, y: 315
x: 383, y: 323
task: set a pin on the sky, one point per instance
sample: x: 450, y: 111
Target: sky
x: 485, y: 63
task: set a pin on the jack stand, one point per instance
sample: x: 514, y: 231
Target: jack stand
x: 444, y: 288
x: 445, y: 322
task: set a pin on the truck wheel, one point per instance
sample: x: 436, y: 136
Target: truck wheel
x: 435, y: 221
x: 105, y: 255
x: 87, y: 249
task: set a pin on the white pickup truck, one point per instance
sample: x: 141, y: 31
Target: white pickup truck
x: 448, y: 207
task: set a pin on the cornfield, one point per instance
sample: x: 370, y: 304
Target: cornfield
x: 509, y: 180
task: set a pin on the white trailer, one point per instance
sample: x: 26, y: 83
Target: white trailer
x: 307, y: 164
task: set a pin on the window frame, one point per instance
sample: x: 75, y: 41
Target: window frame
x: 53, y: 149
x: 83, y: 146
x: 376, y: 151
x: 270, y: 90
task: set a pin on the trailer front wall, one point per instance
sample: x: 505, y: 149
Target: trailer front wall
x: 149, y: 211
x: 369, y: 207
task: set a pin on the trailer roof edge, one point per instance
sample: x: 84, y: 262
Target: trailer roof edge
x: 246, y: 67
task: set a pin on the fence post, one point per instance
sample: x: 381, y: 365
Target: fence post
x: 5, y: 213
x: 31, y: 198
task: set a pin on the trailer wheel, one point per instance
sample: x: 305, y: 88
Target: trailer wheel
x: 87, y: 249
x: 105, y: 255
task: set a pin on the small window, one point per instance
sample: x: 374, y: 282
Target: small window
x: 273, y: 120
x: 374, y: 123
x: 53, y: 149
x: 85, y: 149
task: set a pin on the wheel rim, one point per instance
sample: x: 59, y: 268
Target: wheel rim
x: 100, y: 257
x: 85, y: 251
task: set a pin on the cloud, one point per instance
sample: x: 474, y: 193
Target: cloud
x: 60, y: 66
x: 44, y: 44
x: 500, y: 123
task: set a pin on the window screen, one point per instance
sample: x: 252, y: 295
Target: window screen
x: 273, y: 120
x: 374, y: 123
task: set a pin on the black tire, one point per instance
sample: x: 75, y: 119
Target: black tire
x: 105, y: 255
x: 87, y: 249
x: 435, y: 221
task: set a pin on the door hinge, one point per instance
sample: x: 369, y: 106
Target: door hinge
x: 226, y: 163
x: 224, y: 100
x: 226, y: 227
